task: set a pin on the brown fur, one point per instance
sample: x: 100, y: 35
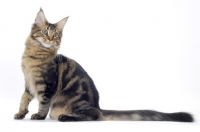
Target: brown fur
x: 62, y: 85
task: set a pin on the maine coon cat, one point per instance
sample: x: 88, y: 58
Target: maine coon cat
x: 62, y: 86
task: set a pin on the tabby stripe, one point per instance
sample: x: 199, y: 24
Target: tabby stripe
x: 42, y: 54
x: 46, y: 92
x: 47, y: 95
x: 39, y: 65
x: 37, y: 31
x: 71, y: 83
x: 44, y: 103
x: 65, y: 77
x: 27, y: 90
x: 40, y: 92
x: 32, y: 57
x: 36, y: 69
x: 84, y: 86
x: 64, y: 82
x: 79, y: 105
x: 68, y: 80
x: 71, y: 91
x: 60, y: 59
x: 84, y: 97
x: 38, y: 82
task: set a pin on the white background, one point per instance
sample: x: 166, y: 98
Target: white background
x: 141, y: 54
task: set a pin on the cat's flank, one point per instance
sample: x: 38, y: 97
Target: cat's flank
x: 63, y: 87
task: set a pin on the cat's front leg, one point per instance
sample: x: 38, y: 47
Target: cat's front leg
x: 42, y: 112
x: 44, y: 103
x: 23, y: 110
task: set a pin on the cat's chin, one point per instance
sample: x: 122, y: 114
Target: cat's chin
x: 46, y: 45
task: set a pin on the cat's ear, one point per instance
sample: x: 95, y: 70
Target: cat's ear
x: 40, y: 18
x: 60, y: 25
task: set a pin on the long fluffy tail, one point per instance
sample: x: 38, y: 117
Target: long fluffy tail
x: 145, y: 115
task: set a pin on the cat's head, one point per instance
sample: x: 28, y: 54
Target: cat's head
x: 49, y: 35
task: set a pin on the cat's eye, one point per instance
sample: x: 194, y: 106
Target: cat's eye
x: 45, y: 32
x: 55, y: 35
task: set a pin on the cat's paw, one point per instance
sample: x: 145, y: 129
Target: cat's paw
x: 37, y: 117
x: 63, y: 118
x: 66, y: 118
x: 19, y: 116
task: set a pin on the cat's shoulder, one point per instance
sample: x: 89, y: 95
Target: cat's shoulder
x: 59, y: 58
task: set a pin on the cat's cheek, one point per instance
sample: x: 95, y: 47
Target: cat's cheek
x: 40, y: 39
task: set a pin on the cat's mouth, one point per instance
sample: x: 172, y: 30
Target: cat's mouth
x: 46, y: 45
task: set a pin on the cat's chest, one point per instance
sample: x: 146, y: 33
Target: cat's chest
x: 30, y: 77
x: 33, y: 73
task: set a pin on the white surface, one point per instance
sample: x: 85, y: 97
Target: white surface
x: 140, y: 54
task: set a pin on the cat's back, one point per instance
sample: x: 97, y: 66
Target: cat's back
x: 72, y: 74
x: 69, y: 69
x: 75, y: 86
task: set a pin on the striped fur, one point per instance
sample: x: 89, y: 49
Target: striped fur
x: 62, y: 86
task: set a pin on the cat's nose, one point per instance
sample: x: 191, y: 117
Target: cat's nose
x: 50, y: 38
x: 50, y: 41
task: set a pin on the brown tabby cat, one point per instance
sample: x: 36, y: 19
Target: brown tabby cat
x: 62, y: 85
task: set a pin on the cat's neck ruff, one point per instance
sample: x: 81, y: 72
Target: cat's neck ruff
x: 35, y: 50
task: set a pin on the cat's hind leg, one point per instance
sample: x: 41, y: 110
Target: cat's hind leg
x: 87, y: 114
x: 59, y: 108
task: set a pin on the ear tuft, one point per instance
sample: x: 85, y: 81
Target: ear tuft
x: 60, y: 25
x: 40, y: 18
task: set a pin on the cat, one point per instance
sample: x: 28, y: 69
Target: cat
x: 63, y: 87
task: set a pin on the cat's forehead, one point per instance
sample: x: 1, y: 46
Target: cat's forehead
x: 51, y: 26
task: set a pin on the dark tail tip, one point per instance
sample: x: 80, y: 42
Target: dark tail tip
x: 181, y: 117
